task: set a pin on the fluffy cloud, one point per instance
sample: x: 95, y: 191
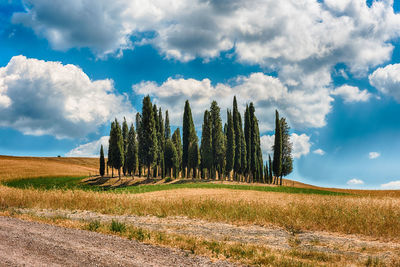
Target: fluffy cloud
x: 319, y: 151
x: 374, y: 155
x: 387, y: 80
x: 391, y: 185
x: 91, y: 149
x: 301, y: 144
x: 351, y: 94
x: 39, y: 97
x: 301, y: 40
x: 301, y: 108
x: 355, y: 182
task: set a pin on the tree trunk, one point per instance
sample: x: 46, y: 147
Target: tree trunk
x: 112, y: 172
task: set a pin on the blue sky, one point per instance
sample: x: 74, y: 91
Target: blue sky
x: 331, y: 67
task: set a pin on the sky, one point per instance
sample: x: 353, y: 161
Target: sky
x: 332, y: 68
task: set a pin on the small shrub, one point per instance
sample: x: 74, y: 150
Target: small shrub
x: 93, y: 225
x: 117, y: 226
x: 168, y: 179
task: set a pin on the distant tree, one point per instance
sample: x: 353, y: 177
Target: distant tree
x: 218, y: 142
x: 243, y: 156
x: 287, y: 159
x: 102, y: 163
x: 149, y: 135
x: 194, y: 158
x: 170, y: 157
x: 131, y: 155
x: 176, y: 139
x: 188, y: 136
x: 266, y: 175
x: 157, y: 128
x: 258, y: 153
x: 277, y: 163
x: 167, y: 129
x: 230, y: 145
x: 161, y: 141
x: 125, y: 131
x: 206, y: 151
x: 270, y: 169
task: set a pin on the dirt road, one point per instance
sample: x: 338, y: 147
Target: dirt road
x: 24, y: 243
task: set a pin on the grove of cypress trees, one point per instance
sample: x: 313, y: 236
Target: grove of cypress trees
x: 218, y: 142
x: 176, y: 139
x: 287, y: 159
x: 230, y: 145
x: 102, y: 163
x: 167, y: 129
x: 206, y: 151
x: 277, y: 163
x: 148, y: 131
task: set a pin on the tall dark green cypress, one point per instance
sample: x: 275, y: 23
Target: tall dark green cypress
x: 247, y: 134
x: 194, y: 158
x: 258, y: 153
x: 218, y: 141
x: 167, y: 129
x: 277, y: 163
x: 253, y: 149
x: 230, y: 145
x: 170, y: 158
x: 118, y: 148
x: 188, y: 137
x: 157, y: 127
x: 140, y: 150
x: 149, y: 135
x: 161, y: 141
x: 111, y: 148
x: 125, y: 132
x: 287, y: 159
x: 176, y: 139
x: 102, y: 163
x: 237, y: 124
x: 131, y: 154
x: 206, y: 151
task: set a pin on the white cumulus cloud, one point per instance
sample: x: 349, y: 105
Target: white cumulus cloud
x: 374, y: 155
x: 319, y: 151
x: 355, y: 182
x: 387, y: 80
x: 351, y: 94
x: 44, y: 97
x: 91, y: 149
x: 391, y: 185
x: 301, y: 145
x: 301, y: 108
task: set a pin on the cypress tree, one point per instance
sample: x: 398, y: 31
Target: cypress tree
x: 230, y: 145
x: 125, y: 132
x: 258, y: 153
x: 194, y: 158
x: 218, y: 142
x: 247, y: 134
x: 206, y: 151
x: 149, y: 135
x: 287, y: 159
x: 253, y: 149
x: 243, y: 151
x: 270, y: 169
x: 111, y: 148
x: 102, y: 164
x: 170, y: 158
x: 277, y: 163
x: 117, y: 148
x: 161, y: 140
x: 176, y: 139
x: 131, y: 155
x: 140, y: 154
x: 188, y: 136
x: 157, y: 128
x: 266, y: 175
x: 167, y: 127
x: 238, y: 132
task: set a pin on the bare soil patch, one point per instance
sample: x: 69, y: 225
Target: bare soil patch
x: 25, y: 243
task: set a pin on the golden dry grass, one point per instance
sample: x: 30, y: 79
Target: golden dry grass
x: 28, y: 167
x: 376, y: 217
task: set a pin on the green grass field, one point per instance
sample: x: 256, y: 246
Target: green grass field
x: 66, y: 183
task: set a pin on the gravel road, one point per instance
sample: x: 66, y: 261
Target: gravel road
x: 25, y: 243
